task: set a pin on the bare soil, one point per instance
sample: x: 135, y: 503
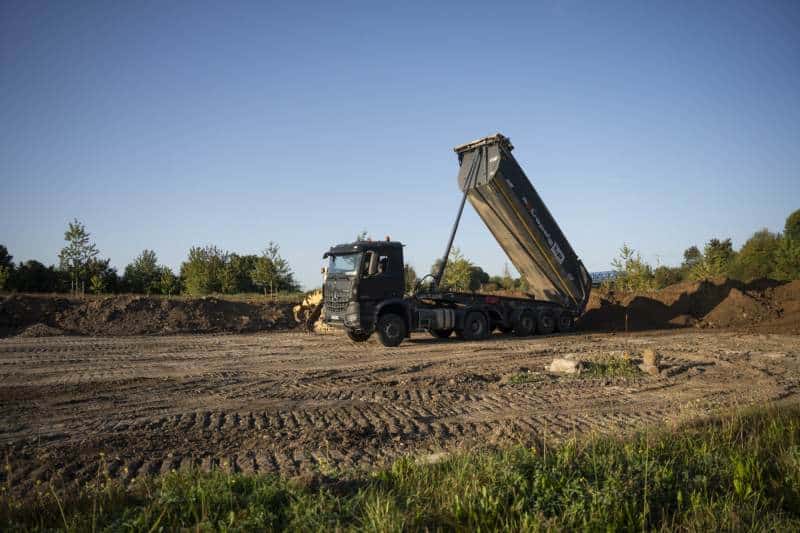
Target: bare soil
x: 297, y: 404
x: 761, y: 306
x: 44, y: 315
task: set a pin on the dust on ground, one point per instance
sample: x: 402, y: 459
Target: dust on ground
x: 295, y: 403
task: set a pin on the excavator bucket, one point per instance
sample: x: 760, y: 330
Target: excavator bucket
x: 505, y: 199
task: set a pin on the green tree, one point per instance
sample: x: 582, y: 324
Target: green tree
x: 458, y: 273
x: 691, y: 256
x: 717, y: 258
x: 235, y: 276
x: 143, y: 275
x: 263, y: 274
x: 284, y: 277
x: 477, y: 277
x: 632, y: 273
x: 97, y: 284
x: 410, y: 278
x: 507, y: 281
x: 6, y: 266
x: 102, y: 269
x: 791, y: 229
x: 168, y: 282
x: 33, y: 276
x: 757, y: 257
x: 787, y: 259
x: 76, y: 255
x: 665, y: 276
x: 201, y: 272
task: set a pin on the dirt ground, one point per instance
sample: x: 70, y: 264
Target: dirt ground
x: 296, y: 403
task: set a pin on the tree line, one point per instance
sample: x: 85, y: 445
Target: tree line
x: 764, y: 255
x: 206, y: 270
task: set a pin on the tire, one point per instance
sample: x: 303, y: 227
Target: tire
x: 505, y: 329
x: 441, y: 333
x: 546, y: 324
x: 566, y: 323
x: 525, y: 324
x: 476, y: 327
x: 358, y: 336
x: 391, y: 329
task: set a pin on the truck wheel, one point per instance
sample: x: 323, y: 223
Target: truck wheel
x: 525, y: 324
x: 475, y: 326
x: 546, y: 324
x: 441, y: 333
x: 391, y: 329
x: 358, y: 336
x: 566, y: 323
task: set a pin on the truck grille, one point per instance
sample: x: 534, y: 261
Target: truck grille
x: 336, y: 301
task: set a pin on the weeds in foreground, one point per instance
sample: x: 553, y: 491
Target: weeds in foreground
x: 611, y: 367
x: 733, y: 473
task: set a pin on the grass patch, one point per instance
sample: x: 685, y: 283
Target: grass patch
x: 525, y: 377
x: 611, y: 367
x: 740, y: 472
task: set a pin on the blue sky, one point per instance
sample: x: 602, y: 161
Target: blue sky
x: 659, y: 124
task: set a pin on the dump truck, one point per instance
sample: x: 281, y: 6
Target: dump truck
x: 364, y: 289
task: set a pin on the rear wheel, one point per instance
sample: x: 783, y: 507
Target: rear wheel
x: 358, y: 336
x: 391, y: 329
x: 566, y: 323
x: 546, y: 324
x: 441, y: 333
x: 525, y: 324
x: 476, y: 327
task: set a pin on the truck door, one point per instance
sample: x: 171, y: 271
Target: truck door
x: 381, y: 276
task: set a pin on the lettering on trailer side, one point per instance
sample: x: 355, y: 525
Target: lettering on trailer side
x: 555, y: 249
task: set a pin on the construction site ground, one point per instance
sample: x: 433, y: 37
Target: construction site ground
x: 295, y: 403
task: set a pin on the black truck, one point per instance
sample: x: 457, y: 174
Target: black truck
x: 364, y: 283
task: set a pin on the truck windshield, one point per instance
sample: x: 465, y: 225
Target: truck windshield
x: 344, y: 264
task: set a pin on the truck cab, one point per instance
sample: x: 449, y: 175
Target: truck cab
x: 363, y: 279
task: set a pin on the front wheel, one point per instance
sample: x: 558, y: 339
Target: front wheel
x: 358, y: 336
x: 391, y: 329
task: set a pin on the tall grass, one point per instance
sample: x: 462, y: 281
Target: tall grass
x: 739, y: 472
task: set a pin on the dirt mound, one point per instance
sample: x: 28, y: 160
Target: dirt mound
x: 138, y: 315
x: 766, y: 305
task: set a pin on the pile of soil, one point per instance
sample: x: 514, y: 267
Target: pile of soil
x: 763, y: 305
x: 34, y: 315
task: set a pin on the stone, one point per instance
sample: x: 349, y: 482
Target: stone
x: 564, y: 366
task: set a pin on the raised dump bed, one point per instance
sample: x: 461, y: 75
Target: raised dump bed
x: 505, y: 199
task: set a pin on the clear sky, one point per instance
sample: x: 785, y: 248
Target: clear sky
x: 164, y: 125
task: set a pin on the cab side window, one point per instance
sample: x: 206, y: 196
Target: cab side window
x: 383, y: 264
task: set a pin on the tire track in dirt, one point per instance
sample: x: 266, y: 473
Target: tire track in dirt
x: 290, y: 403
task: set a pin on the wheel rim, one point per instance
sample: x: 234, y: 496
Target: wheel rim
x: 391, y: 330
x: 527, y: 323
x: 547, y: 322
